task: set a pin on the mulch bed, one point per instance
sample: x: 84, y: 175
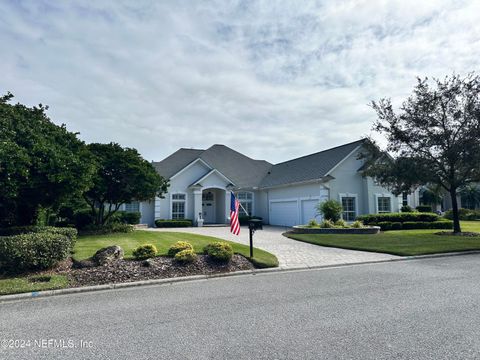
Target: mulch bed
x: 451, y: 233
x: 160, y: 267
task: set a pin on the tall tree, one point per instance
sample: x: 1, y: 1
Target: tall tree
x: 122, y: 176
x: 40, y: 163
x: 434, y: 138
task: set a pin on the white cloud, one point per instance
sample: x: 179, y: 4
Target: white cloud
x: 273, y: 80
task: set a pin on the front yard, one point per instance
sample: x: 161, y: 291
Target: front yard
x: 86, y: 246
x: 401, y: 242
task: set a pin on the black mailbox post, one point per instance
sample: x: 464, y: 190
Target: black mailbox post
x: 253, y: 225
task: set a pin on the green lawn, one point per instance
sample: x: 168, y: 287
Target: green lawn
x: 87, y: 245
x: 401, y: 242
x: 25, y: 284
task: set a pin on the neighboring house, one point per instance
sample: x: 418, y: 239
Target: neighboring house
x: 282, y: 194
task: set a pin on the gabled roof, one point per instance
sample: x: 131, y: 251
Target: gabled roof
x: 309, y: 167
x: 245, y: 172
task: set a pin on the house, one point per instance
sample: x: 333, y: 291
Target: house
x: 283, y: 194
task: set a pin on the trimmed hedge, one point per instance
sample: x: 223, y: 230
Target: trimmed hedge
x: 374, y: 219
x: 411, y: 225
x: 424, y: 208
x: 107, y: 229
x: 173, y: 223
x: 243, y: 220
x: 34, y: 251
x: 132, y: 218
x: 69, y: 233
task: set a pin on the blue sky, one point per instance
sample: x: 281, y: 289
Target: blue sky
x: 272, y: 79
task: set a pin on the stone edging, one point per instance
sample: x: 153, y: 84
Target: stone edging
x: 47, y: 293
x: 354, y: 231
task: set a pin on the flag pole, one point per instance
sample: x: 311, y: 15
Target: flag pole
x: 239, y: 203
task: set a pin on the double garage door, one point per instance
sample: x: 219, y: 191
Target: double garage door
x: 292, y: 212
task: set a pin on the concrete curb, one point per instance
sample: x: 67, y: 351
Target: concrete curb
x: 168, y: 281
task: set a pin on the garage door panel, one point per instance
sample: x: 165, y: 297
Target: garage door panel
x: 284, y: 213
x: 309, y: 210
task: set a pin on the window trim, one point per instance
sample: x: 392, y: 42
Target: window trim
x: 349, y: 195
x: 252, y: 201
x: 176, y: 200
x: 377, y: 196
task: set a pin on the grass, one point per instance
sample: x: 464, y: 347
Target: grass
x: 401, y: 242
x: 28, y: 284
x: 86, y: 246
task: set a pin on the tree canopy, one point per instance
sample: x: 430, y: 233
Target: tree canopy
x: 121, y: 176
x: 434, y: 138
x: 41, y: 163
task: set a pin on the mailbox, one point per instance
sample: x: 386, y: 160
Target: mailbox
x: 255, y: 224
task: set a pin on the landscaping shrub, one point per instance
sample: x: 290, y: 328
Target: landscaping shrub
x: 406, y: 208
x: 330, y: 209
x: 411, y: 225
x: 69, y: 233
x: 374, y: 219
x: 185, y: 256
x: 424, y: 208
x: 145, y: 251
x: 219, y: 251
x: 35, y: 250
x: 179, y: 246
x: 312, y: 223
x: 464, y: 214
x: 341, y: 223
x: 243, y: 220
x: 132, y: 218
x: 327, y: 224
x: 173, y: 223
x: 357, y: 224
x: 83, y: 218
x: 107, y: 229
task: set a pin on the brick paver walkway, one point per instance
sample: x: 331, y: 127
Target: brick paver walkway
x: 290, y: 253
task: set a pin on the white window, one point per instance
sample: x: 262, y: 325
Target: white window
x: 134, y: 206
x: 178, y: 206
x: 384, y: 204
x: 404, y: 199
x: 246, y: 200
x: 349, y: 208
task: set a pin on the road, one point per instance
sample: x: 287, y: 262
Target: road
x: 419, y: 309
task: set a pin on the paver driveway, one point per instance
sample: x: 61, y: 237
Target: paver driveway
x: 290, y: 253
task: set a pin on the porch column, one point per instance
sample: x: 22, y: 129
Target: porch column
x: 197, y: 205
x: 227, y: 207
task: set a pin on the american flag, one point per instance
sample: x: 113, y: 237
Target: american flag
x: 234, y: 223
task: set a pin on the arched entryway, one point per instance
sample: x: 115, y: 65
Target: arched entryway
x: 213, y: 206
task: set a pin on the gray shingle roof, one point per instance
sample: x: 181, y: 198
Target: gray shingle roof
x: 309, y: 167
x: 247, y: 173
x: 242, y: 170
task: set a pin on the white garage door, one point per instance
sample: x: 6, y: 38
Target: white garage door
x: 309, y: 211
x: 284, y: 213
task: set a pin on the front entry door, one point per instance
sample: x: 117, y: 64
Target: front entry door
x: 208, y: 207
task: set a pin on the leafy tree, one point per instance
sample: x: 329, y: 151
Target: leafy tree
x: 470, y: 196
x: 122, y: 176
x: 40, y: 163
x: 330, y: 210
x: 432, y: 195
x: 434, y: 138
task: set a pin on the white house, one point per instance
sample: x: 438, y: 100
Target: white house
x: 282, y: 194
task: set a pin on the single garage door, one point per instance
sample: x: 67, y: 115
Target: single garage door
x: 309, y: 211
x: 284, y: 213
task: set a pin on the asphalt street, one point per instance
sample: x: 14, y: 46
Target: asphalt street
x: 419, y: 309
